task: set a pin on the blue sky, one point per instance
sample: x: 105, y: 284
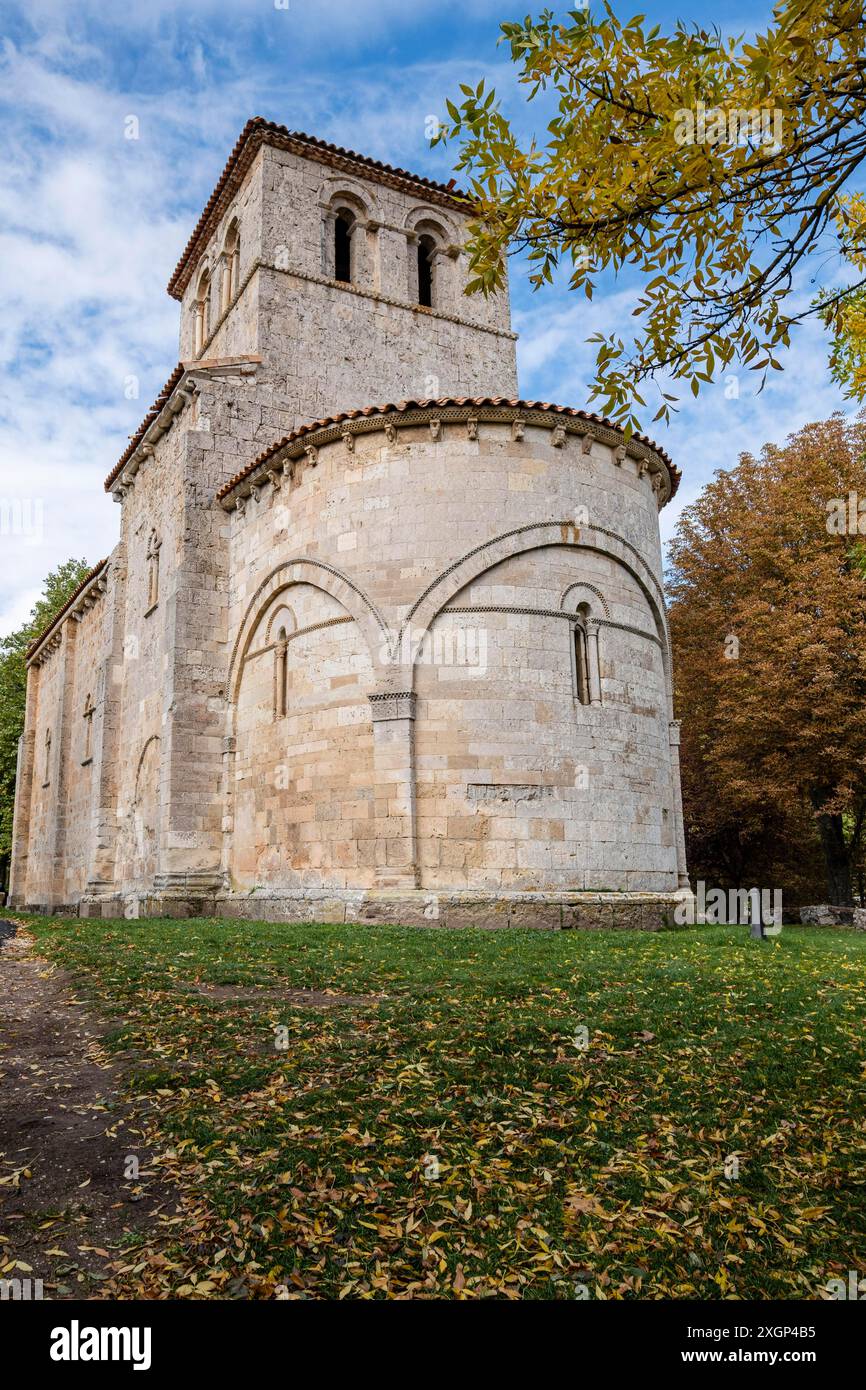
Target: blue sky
x: 92, y: 224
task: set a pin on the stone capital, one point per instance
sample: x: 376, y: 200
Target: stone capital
x: 387, y: 704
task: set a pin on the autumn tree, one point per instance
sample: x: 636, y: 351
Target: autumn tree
x: 709, y: 166
x: 58, y: 587
x: 768, y: 621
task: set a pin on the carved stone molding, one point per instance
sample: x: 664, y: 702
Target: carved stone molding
x: 399, y: 704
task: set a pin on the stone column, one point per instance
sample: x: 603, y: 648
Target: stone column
x: 230, y: 745
x: 358, y: 254
x: 328, y: 223
x: 393, y: 715
x: 679, y: 829
x: 593, y: 661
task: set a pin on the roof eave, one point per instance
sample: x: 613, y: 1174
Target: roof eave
x: 258, y: 132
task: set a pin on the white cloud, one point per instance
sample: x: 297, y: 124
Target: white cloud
x: 92, y: 225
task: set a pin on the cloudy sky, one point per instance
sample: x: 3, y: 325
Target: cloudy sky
x: 92, y: 223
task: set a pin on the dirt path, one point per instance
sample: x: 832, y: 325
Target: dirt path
x: 69, y: 1200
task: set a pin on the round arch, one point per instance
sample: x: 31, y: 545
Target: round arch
x: 541, y: 536
x: 300, y: 570
x: 574, y: 591
x: 434, y: 221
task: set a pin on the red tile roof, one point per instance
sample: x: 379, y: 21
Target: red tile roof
x: 258, y: 132
x: 443, y: 402
x: 148, y: 420
x: 61, y: 612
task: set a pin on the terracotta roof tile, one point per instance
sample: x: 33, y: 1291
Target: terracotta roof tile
x: 257, y: 132
x: 61, y: 612
x: 148, y: 420
x: 443, y: 401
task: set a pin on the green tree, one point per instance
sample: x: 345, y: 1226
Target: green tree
x: 58, y: 587
x: 708, y: 166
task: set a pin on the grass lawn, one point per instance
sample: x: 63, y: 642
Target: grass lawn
x: 454, y: 1139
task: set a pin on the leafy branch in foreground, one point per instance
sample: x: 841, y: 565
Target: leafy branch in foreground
x: 712, y: 166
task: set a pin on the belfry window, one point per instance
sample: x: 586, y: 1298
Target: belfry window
x: 426, y: 248
x: 231, y: 265
x: 201, y: 312
x: 343, y: 247
x: 281, y: 673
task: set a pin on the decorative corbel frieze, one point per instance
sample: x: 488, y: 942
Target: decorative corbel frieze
x: 558, y: 436
x: 275, y: 478
x: 435, y: 430
x: 619, y: 455
x: 518, y: 429
x: 586, y: 439
x: 472, y: 427
x: 390, y: 432
x: 312, y: 454
x: 349, y: 441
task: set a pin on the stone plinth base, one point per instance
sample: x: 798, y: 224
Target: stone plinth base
x: 415, y: 908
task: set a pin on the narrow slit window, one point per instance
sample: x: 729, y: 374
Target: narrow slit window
x: 233, y: 264
x: 153, y: 547
x: 425, y: 273
x: 89, y: 710
x: 343, y: 248
x: 282, y: 673
x: 201, y: 312
x: 581, y: 664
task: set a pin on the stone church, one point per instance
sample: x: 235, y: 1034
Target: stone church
x: 380, y: 641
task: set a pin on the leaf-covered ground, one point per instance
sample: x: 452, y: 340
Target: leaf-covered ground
x: 449, y: 1134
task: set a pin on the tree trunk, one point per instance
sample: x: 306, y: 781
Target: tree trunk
x: 837, y: 860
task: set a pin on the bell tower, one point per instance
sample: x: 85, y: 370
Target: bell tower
x: 342, y: 278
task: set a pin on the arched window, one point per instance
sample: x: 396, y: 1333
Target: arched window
x: 89, y: 711
x: 581, y: 664
x: 201, y: 311
x: 587, y: 669
x: 343, y: 223
x: 231, y: 278
x: 153, y: 547
x: 426, y: 248
x: 281, y: 672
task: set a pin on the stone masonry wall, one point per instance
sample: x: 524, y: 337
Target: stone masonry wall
x: 327, y: 346
x: 487, y: 772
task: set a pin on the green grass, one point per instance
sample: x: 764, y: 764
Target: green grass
x: 558, y: 1167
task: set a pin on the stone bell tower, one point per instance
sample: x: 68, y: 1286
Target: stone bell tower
x: 341, y: 278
